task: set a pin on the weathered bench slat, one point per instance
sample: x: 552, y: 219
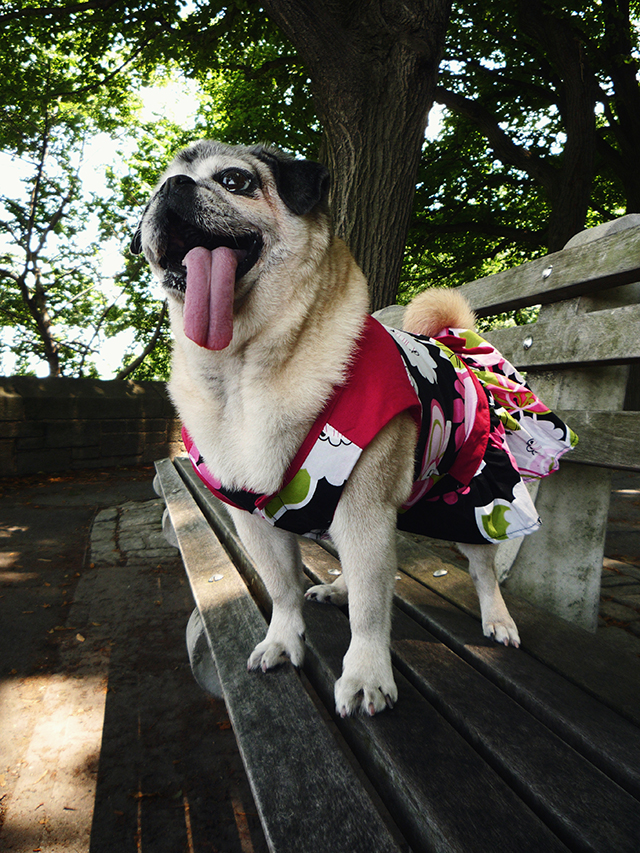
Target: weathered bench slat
x: 528, y: 742
x: 607, y: 439
x: 606, y: 739
x: 438, y: 789
x: 556, y: 782
x: 544, y: 770
x: 416, y: 787
x: 271, y: 710
x: 592, y: 728
x: 611, y: 675
x: 608, y: 262
x: 602, y: 337
x: 216, y: 514
x: 551, y: 776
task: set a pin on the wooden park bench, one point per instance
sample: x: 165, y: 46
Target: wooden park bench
x: 488, y: 748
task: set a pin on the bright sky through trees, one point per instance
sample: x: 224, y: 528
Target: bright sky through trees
x: 534, y: 136
x: 176, y: 101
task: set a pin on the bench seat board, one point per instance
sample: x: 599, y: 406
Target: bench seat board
x: 552, y: 777
x: 415, y: 785
x: 284, y: 744
x: 611, y: 675
x: 560, y: 751
x: 561, y: 786
x: 441, y: 793
x: 608, y: 740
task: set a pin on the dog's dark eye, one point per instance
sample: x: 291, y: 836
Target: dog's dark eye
x: 236, y: 181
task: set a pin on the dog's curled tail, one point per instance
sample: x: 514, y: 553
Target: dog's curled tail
x: 436, y: 309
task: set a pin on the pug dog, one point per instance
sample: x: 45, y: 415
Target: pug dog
x: 279, y: 375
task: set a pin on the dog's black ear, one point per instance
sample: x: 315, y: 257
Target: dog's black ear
x: 136, y: 243
x: 302, y: 184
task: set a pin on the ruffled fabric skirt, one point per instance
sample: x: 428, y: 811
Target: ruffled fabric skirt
x: 526, y: 442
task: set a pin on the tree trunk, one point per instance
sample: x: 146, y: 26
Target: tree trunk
x: 373, y: 69
x: 571, y: 194
x: 625, y: 122
x: 36, y: 304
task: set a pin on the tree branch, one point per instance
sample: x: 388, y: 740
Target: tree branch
x: 135, y: 364
x: 503, y: 146
x: 4, y: 273
x: 491, y: 229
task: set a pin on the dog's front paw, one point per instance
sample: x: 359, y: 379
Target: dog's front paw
x: 277, y: 648
x: 267, y: 655
x: 327, y: 593
x: 365, y: 686
x: 502, y: 629
x: 352, y: 696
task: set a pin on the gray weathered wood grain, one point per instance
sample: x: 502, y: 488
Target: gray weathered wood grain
x: 602, y: 337
x: 608, y: 262
x: 607, y: 439
x: 285, y: 746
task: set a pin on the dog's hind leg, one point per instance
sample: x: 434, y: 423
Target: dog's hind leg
x: 329, y: 593
x: 496, y: 619
x: 277, y: 557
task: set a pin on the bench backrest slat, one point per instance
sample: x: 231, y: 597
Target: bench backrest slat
x: 609, y: 336
x: 608, y: 262
x: 607, y: 439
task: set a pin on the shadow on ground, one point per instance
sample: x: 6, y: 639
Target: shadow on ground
x: 107, y: 744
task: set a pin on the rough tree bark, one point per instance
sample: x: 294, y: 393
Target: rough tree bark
x: 373, y: 68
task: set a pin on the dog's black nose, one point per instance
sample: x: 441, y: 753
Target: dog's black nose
x: 174, y: 182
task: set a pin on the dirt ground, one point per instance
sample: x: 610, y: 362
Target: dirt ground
x: 107, y: 743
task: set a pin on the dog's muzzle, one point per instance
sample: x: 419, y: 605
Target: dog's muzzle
x: 181, y: 234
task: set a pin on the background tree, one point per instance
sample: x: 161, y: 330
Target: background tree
x: 539, y: 136
x: 55, y: 302
x: 373, y: 69
x: 543, y: 117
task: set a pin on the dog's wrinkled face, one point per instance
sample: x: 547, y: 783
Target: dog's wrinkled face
x: 215, y: 223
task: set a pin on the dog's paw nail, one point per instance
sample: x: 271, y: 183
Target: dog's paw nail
x: 388, y: 700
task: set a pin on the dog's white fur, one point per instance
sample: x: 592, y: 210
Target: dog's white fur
x: 248, y: 408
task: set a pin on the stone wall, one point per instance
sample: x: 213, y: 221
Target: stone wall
x: 61, y: 424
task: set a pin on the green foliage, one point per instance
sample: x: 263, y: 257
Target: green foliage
x: 56, y: 304
x: 486, y: 191
x: 488, y: 184
x: 472, y: 216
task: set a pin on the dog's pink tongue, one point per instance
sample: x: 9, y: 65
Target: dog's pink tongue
x: 208, y: 303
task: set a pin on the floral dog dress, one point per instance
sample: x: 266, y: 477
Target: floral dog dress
x: 481, y: 430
